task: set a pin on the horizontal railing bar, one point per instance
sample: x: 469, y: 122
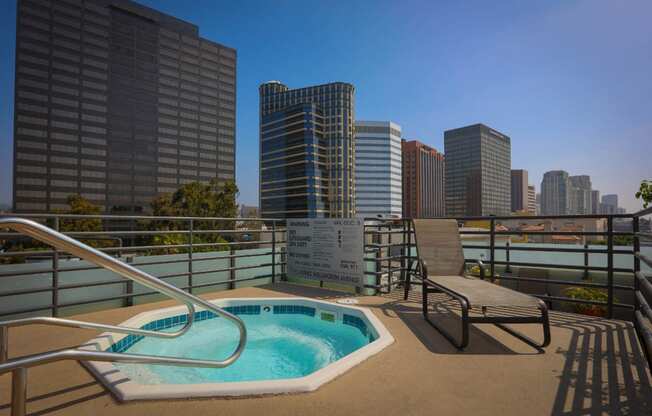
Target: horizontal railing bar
x: 540, y: 217
x: 545, y: 249
x: 148, y: 232
x: 228, y: 269
x: 127, y: 295
x: 578, y: 233
x: 136, y: 248
x: 643, y: 258
x: 139, y: 217
x: 646, y: 211
x: 644, y: 305
x: 559, y: 266
x: 115, y: 282
x: 645, y: 334
x: 644, y: 285
x: 77, y: 269
x: 562, y: 282
x: 583, y: 301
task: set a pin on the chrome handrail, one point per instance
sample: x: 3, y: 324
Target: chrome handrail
x: 85, y: 252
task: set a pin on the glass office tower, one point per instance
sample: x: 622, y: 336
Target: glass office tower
x: 117, y: 102
x: 478, y: 171
x: 321, y: 169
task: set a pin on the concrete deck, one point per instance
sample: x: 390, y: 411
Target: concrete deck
x: 593, y: 366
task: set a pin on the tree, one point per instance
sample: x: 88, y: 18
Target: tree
x: 195, y: 199
x: 645, y: 193
x: 81, y: 206
x: 78, y: 206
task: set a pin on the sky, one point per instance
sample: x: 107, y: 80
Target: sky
x: 569, y: 81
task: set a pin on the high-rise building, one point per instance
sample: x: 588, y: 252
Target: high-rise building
x: 581, y: 198
x: 609, y: 204
x: 555, y: 193
x: 423, y: 181
x: 595, y: 201
x: 519, y: 190
x: 117, y: 102
x: 307, y: 151
x: 478, y: 166
x: 531, y: 200
x: 378, y: 168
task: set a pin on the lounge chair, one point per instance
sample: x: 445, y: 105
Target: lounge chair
x: 441, y: 269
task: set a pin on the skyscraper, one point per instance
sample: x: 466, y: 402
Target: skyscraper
x: 519, y: 190
x: 595, y: 201
x: 478, y: 165
x: 531, y: 200
x: 423, y: 181
x: 555, y: 193
x: 307, y: 151
x: 117, y: 102
x: 581, y: 199
x: 378, y: 168
x: 609, y: 204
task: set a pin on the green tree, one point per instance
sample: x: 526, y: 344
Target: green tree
x: 78, y: 206
x: 645, y: 193
x: 195, y: 199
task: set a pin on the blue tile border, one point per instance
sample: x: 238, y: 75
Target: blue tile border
x: 294, y: 309
x: 360, y: 324
x: 165, y: 323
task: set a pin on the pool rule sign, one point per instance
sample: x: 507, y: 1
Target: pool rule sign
x: 329, y: 249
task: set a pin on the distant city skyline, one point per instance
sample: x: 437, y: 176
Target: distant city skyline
x: 563, y: 110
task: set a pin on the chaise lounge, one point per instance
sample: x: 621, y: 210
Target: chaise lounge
x: 441, y: 269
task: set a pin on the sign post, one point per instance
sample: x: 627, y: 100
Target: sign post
x: 326, y: 249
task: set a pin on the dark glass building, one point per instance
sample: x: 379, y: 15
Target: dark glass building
x: 478, y: 171
x: 117, y: 102
x: 294, y: 165
x: 307, y: 151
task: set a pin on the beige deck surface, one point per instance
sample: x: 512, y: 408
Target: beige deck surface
x: 593, y: 366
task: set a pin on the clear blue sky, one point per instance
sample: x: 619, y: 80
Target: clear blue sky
x: 569, y: 81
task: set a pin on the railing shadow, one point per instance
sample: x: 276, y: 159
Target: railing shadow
x: 65, y: 404
x: 604, y: 370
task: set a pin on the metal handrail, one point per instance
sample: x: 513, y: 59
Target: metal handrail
x: 62, y: 242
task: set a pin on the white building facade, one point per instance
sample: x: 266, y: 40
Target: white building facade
x: 378, y: 178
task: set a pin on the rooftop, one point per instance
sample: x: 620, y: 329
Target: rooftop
x: 593, y: 366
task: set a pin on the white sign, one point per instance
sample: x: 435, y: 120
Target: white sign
x: 329, y: 249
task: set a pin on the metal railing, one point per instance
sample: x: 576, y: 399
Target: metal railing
x: 19, y: 366
x: 642, y: 288
x: 391, y: 249
x: 137, y: 236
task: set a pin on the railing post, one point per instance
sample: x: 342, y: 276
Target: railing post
x: 637, y: 261
x: 492, y: 245
x: 129, y: 300
x: 610, y: 266
x: 273, y: 251
x: 55, y: 275
x: 231, y: 268
x: 378, y: 268
x: 508, y: 268
x: 19, y: 392
x: 586, y: 262
x: 191, y: 227
x: 403, y: 262
x: 390, y: 254
x: 4, y: 343
x: 283, y: 264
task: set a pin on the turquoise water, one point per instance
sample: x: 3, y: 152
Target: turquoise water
x: 279, y: 346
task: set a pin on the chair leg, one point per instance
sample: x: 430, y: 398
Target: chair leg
x: 545, y: 323
x: 460, y: 345
x: 408, y: 285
